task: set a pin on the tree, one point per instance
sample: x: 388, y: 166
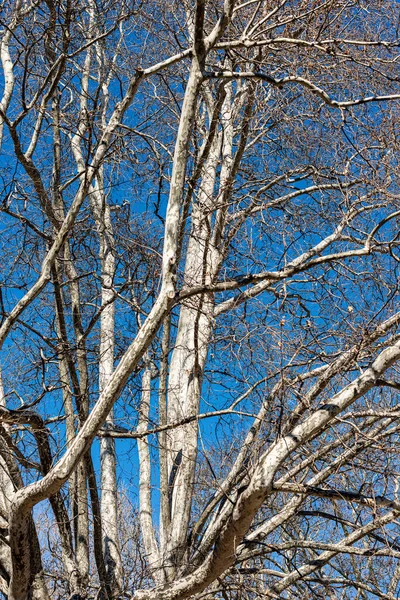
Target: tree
x: 200, y: 238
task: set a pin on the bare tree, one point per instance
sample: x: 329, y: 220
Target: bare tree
x: 199, y: 333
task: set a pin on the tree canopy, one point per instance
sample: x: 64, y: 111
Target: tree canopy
x: 199, y: 367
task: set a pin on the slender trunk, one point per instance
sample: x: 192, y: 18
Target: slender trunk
x: 108, y: 463
x: 187, y: 367
x: 162, y: 437
x: 146, y: 512
x: 7, y: 65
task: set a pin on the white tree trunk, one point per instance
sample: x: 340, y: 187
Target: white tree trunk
x: 145, y: 497
x: 109, y: 491
x: 195, y: 326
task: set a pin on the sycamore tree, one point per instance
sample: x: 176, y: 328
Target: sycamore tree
x: 199, y: 299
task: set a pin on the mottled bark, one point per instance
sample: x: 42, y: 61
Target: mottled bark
x: 109, y: 490
x: 145, y: 496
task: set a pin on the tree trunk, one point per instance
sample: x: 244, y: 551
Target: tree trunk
x: 109, y: 490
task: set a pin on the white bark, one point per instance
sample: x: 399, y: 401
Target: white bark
x: 109, y: 491
x: 145, y: 496
x: 186, y: 369
x: 196, y: 322
x: 8, y: 67
x: 165, y: 517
